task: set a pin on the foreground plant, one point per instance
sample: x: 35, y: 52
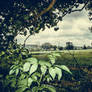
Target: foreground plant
x: 35, y: 75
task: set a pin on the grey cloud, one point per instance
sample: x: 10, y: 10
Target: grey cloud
x: 88, y: 36
x: 66, y: 27
x: 75, y: 15
x: 73, y: 30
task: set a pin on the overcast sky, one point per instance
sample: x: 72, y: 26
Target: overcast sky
x: 74, y: 28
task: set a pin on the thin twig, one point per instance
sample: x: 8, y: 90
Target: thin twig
x: 74, y: 59
x: 76, y: 9
x: 26, y: 40
x: 81, y: 8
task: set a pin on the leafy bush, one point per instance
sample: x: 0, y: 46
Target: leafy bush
x: 35, y: 75
x: 8, y: 58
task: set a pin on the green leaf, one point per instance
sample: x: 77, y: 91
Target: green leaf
x: 41, y: 62
x: 50, y: 88
x: 32, y: 60
x: 13, y: 82
x: 35, y: 89
x: 17, y: 71
x: 33, y: 68
x: 23, y: 53
x: 11, y: 72
x: 43, y: 69
x: 35, y: 75
x: 49, y: 79
x: 30, y: 80
x: 22, y: 76
x: 12, y: 66
x: 22, y: 82
x: 65, y: 68
x: 52, y: 72
x: 52, y: 59
x: 56, y: 54
x: 26, y: 67
x: 34, y: 78
x: 22, y: 85
x: 21, y: 89
x: 58, y: 72
x: 2, y: 53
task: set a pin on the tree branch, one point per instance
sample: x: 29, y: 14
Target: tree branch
x: 76, y: 9
x: 47, y: 9
x: 26, y: 40
x: 40, y: 14
x: 81, y: 8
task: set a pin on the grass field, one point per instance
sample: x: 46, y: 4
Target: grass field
x: 68, y: 57
x: 81, y: 81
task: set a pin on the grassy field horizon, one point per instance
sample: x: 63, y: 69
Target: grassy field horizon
x: 68, y: 57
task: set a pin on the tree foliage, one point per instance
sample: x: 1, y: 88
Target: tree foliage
x: 16, y: 16
x: 46, y: 46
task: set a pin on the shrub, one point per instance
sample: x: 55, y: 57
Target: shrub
x: 35, y: 75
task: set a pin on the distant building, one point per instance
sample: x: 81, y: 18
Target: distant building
x: 69, y: 45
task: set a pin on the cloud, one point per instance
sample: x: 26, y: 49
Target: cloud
x: 74, y: 27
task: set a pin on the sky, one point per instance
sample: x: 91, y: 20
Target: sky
x: 73, y: 28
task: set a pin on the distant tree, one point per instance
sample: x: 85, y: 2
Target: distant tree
x: 60, y: 48
x: 69, y: 46
x: 46, y: 46
x: 84, y: 47
x: 54, y: 47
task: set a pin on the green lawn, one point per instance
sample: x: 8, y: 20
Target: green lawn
x: 83, y: 57
x: 81, y: 80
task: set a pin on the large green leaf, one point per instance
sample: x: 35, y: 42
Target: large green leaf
x: 33, y: 68
x: 58, y: 72
x: 46, y: 63
x: 26, y: 67
x: 52, y: 59
x: 43, y: 69
x: 32, y: 60
x: 65, y: 68
x: 52, y: 72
